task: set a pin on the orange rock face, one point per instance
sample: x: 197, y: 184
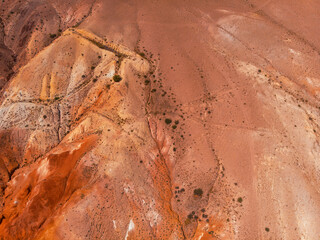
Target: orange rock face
x: 159, y: 119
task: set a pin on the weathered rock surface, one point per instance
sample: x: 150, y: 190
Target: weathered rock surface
x: 210, y: 129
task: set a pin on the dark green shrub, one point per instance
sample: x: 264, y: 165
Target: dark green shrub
x: 198, y: 192
x: 168, y: 121
x: 142, y: 54
x: 117, y: 78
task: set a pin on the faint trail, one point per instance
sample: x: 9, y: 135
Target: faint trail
x: 264, y: 4
x: 258, y: 10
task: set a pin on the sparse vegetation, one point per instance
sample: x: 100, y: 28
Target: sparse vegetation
x: 240, y: 200
x: 53, y: 35
x: 198, y: 192
x: 98, y: 44
x: 117, y: 78
x: 267, y: 229
x: 142, y: 54
x: 168, y: 121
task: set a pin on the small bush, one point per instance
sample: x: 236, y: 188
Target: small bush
x: 198, y: 192
x: 240, y: 200
x: 117, y: 78
x: 168, y: 121
x: 142, y: 54
x: 53, y: 35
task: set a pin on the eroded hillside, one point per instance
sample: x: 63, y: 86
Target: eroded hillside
x: 159, y: 119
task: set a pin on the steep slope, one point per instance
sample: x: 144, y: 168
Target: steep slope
x: 6, y: 59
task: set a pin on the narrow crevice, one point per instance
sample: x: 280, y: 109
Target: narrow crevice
x: 10, y: 173
x: 59, y: 122
x: 87, y: 15
x: 105, y: 46
x: 2, y: 218
x: 162, y: 158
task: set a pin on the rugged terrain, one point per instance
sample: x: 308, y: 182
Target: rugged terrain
x: 159, y: 119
